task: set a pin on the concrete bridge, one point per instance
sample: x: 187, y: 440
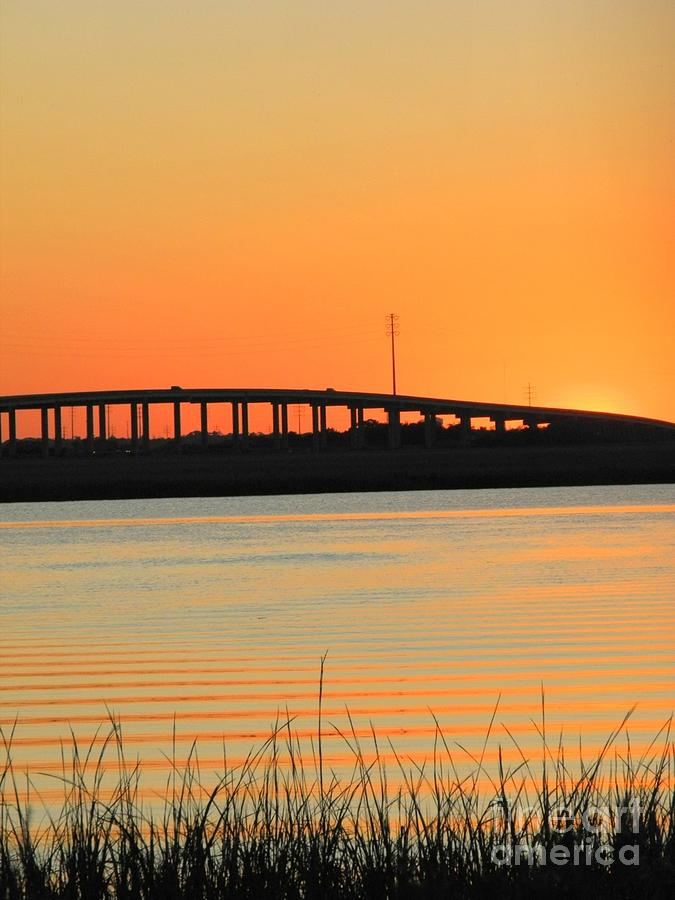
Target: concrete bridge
x: 96, y: 404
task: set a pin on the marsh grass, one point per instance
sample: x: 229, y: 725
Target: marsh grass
x: 283, y: 825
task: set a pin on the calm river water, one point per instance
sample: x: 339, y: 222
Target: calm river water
x: 214, y: 613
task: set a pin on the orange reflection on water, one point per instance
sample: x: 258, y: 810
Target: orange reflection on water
x: 214, y: 626
x: 346, y: 517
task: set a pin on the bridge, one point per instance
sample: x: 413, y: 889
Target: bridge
x: 97, y: 403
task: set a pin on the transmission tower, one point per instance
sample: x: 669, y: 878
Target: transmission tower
x: 392, y: 330
x: 530, y: 391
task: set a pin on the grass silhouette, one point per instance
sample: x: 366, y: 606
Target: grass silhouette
x: 282, y: 825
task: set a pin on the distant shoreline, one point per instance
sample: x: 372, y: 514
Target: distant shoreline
x: 259, y: 473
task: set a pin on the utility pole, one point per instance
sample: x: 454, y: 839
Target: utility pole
x: 392, y: 331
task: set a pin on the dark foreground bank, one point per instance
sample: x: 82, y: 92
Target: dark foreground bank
x: 282, y: 826
x: 237, y: 474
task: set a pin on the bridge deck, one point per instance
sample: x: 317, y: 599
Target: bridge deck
x: 319, y: 398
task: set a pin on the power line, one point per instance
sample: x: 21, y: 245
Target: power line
x: 153, y: 349
x: 30, y: 335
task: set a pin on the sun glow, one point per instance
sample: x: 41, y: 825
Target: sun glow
x: 600, y: 398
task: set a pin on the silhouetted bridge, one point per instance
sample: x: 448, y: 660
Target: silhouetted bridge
x: 96, y: 404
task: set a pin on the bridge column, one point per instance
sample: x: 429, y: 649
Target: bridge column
x: 145, y: 422
x: 102, y: 424
x: 235, y: 423
x: 465, y: 424
x: 11, y: 415
x: 353, y: 428
x: 323, y: 430
x: 360, y: 428
x: 58, y: 430
x: 284, y: 426
x: 394, y: 428
x: 44, y: 418
x: 429, y: 429
x: 133, y: 411
x: 177, y: 437
x: 204, y: 422
x: 315, y: 427
x: 500, y: 424
x: 244, y: 424
x: 531, y: 422
x: 275, y: 425
x: 90, y: 428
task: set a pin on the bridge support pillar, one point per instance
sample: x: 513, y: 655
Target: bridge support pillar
x: 11, y: 415
x: 394, y: 429
x: 204, y: 422
x: 284, y: 426
x: 133, y: 412
x: 429, y: 429
x: 102, y: 424
x: 58, y: 430
x: 235, y: 423
x: 90, y: 428
x: 360, y: 428
x: 323, y: 429
x: 353, y: 428
x: 465, y: 424
x: 44, y: 418
x: 500, y: 425
x: 275, y: 426
x: 244, y: 424
x: 177, y: 436
x: 315, y: 427
x: 145, y: 423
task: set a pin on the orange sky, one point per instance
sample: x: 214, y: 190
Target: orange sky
x: 215, y: 194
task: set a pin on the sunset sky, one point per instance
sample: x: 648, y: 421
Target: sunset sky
x: 224, y: 194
